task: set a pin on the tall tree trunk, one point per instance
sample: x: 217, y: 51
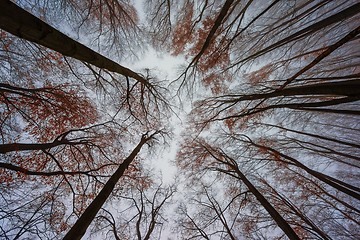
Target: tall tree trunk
x: 349, y: 189
x: 21, y: 23
x: 81, y: 225
x: 298, y: 212
x: 219, y: 20
x: 324, y: 54
x: 281, y: 222
x: 12, y: 147
x: 348, y: 88
x: 232, y: 164
x: 303, y: 106
x: 339, y: 141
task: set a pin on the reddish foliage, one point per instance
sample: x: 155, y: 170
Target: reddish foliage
x: 183, y: 30
x: 191, y: 41
x: 230, y: 123
x: 243, y: 122
x: 264, y: 146
x: 192, y: 156
x: 51, y: 110
x: 135, y: 177
x: 213, y: 55
x: 301, y: 232
x: 249, y: 226
x: 216, y: 82
x: 50, y: 59
x: 261, y: 75
x: 57, y: 214
x: 313, y: 54
x: 5, y: 176
x: 6, y: 41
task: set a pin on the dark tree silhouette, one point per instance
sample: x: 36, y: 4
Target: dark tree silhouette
x: 270, y: 148
x: 81, y: 225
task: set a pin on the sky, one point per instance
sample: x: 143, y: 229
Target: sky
x: 165, y: 68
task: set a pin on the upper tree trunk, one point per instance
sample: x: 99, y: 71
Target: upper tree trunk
x: 81, y: 225
x: 21, y: 23
x: 12, y: 147
x: 269, y: 208
x: 335, y: 183
x: 349, y: 88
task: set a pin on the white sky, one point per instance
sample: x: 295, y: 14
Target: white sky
x: 164, y: 67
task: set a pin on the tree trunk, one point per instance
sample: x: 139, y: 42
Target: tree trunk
x: 12, y: 147
x: 324, y: 54
x: 298, y: 212
x: 21, y: 23
x: 339, y: 141
x: 335, y: 183
x: 349, y: 88
x: 281, y: 222
x: 81, y: 225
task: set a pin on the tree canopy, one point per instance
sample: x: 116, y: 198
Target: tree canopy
x: 263, y: 114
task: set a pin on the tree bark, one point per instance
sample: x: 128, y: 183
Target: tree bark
x: 21, y: 23
x: 12, y: 147
x: 224, y: 11
x: 312, y: 106
x: 25, y: 171
x: 298, y: 212
x: 349, y: 88
x: 81, y: 225
x: 339, y: 141
x: 324, y: 54
x: 335, y: 183
x: 281, y: 222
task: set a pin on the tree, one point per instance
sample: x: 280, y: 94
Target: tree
x: 232, y: 169
x: 239, y: 36
x: 79, y: 228
x: 30, y: 212
x: 269, y: 150
x: 212, y: 215
x: 160, y: 14
x: 143, y: 213
x: 75, y: 150
x: 280, y: 106
x: 33, y: 29
x: 48, y: 111
x: 113, y: 24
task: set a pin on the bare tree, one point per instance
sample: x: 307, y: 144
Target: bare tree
x: 142, y: 213
x: 81, y: 225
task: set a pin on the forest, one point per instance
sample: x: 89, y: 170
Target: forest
x: 251, y: 132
